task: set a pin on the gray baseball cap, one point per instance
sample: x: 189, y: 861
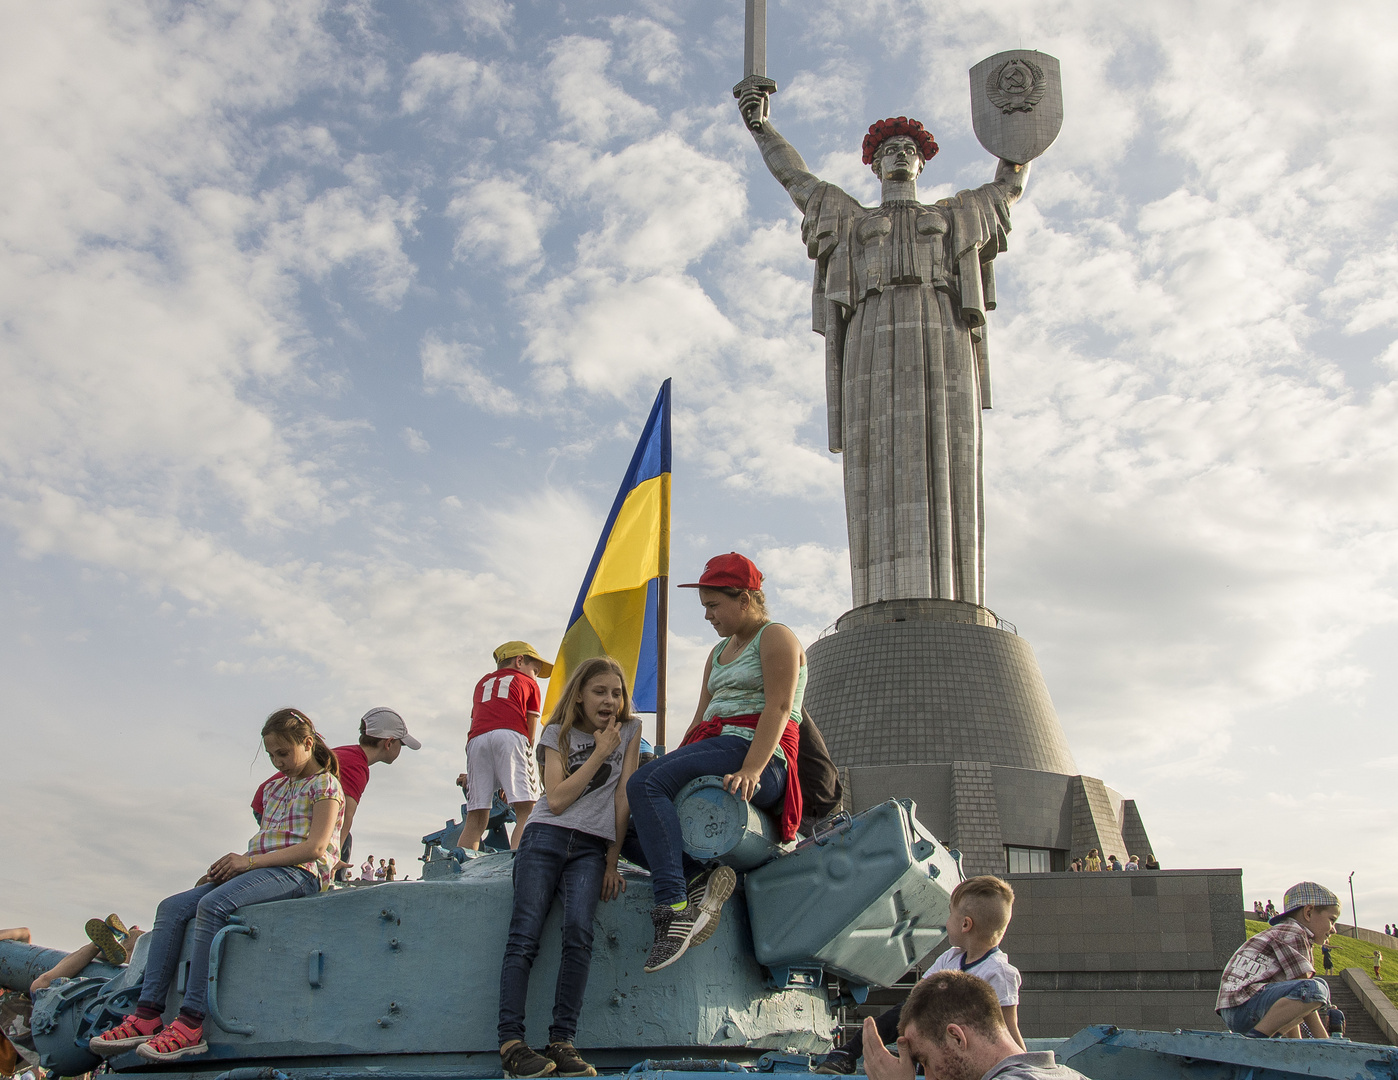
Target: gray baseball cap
x: 386, y: 724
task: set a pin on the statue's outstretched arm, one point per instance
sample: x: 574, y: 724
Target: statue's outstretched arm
x: 780, y: 156
x: 1013, y: 178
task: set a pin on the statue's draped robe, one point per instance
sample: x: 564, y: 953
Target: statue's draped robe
x: 901, y: 293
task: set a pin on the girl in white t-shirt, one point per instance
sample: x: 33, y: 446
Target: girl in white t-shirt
x: 570, y: 846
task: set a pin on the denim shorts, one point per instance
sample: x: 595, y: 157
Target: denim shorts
x: 1243, y: 1018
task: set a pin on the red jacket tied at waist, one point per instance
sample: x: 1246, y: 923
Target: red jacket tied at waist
x: 791, y: 747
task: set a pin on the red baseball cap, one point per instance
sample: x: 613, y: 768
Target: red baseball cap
x: 731, y: 571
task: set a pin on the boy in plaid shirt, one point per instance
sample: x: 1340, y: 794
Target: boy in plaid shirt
x: 1268, y: 986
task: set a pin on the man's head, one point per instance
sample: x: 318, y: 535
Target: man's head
x: 521, y: 656
x: 384, y: 730
x: 953, y: 1026
x: 1313, y: 906
x: 980, y: 912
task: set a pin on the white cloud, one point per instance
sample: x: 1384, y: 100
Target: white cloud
x: 452, y: 365
x: 499, y: 218
x: 591, y: 104
x: 414, y: 441
x: 466, y: 83
x: 650, y: 50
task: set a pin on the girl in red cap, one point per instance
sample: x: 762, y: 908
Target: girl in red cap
x: 745, y: 730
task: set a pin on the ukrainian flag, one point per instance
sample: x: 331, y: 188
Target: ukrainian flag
x: 621, y: 609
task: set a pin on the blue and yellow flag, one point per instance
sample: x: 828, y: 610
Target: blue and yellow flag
x: 620, y: 606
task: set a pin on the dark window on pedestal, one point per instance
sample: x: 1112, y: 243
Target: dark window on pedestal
x: 1034, y: 860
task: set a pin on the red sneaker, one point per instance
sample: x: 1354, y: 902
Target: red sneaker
x: 176, y: 1041
x: 127, y: 1035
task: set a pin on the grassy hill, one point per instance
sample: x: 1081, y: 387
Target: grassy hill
x: 1348, y: 952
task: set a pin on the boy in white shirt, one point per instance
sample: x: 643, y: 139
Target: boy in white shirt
x: 980, y: 914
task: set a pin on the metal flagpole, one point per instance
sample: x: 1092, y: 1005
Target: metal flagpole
x: 662, y: 629
x: 662, y: 607
x: 1354, y: 915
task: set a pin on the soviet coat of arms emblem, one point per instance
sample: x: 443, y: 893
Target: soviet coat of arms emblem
x: 1017, y: 103
x: 1016, y: 86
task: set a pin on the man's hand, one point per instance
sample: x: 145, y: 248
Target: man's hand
x: 742, y: 783
x: 228, y: 867
x: 613, y: 884
x: 879, y: 1064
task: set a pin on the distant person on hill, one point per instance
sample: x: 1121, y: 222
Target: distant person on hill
x: 500, y: 745
x: 1335, y: 1022
x: 1327, y: 961
x: 382, y: 736
x: 952, y: 1026
x: 1115, y: 864
x: 1257, y: 910
x: 1270, y: 911
x: 746, y: 729
x: 1378, y: 961
x: 391, y: 874
x: 981, y: 908
x: 381, y: 871
x: 366, y: 872
x: 1075, y: 866
x: 1268, y: 986
x: 1132, y: 863
x: 1094, y: 860
x: 1152, y: 863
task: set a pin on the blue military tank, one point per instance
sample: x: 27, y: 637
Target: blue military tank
x: 399, y: 981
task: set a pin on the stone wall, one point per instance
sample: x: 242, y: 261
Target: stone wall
x: 1141, y: 950
x: 919, y: 687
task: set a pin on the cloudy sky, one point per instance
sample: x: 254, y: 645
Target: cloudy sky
x: 328, y: 329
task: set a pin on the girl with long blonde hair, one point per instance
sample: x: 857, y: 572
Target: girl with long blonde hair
x: 570, y: 847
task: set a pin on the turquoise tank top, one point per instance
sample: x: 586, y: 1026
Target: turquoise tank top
x: 735, y: 688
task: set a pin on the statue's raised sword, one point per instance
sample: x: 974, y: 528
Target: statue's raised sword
x: 755, y: 58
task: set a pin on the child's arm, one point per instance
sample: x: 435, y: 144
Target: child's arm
x: 613, y: 885
x: 563, y: 792
x: 531, y: 722
x: 1012, y: 1022
x: 323, y: 818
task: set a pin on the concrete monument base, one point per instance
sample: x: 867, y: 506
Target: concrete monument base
x: 942, y: 702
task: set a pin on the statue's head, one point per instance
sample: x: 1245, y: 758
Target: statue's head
x: 898, y: 148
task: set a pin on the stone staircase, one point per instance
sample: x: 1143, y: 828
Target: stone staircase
x: 1359, y: 1025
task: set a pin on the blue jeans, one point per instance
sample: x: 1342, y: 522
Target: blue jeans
x: 551, y: 861
x: 1243, y: 1018
x: 210, y: 905
x: 652, y: 790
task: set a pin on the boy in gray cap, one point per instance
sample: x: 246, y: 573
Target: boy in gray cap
x: 1268, y: 987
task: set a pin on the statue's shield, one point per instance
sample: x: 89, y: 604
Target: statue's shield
x: 1017, y: 103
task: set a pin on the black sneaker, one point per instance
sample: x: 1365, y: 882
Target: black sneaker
x: 708, y: 892
x: 522, y: 1063
x: 838, y: 1063
x: 673, y: 932
x: 566, y: 1060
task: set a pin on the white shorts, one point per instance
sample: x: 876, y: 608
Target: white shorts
x: 500, y: 760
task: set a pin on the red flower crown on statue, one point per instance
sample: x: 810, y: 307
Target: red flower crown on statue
x: 898, y: 125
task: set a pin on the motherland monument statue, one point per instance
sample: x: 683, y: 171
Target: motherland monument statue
x: 921, y: 691
x: 901, y: 296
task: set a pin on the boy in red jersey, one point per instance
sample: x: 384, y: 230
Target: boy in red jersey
x: 500, y: 746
